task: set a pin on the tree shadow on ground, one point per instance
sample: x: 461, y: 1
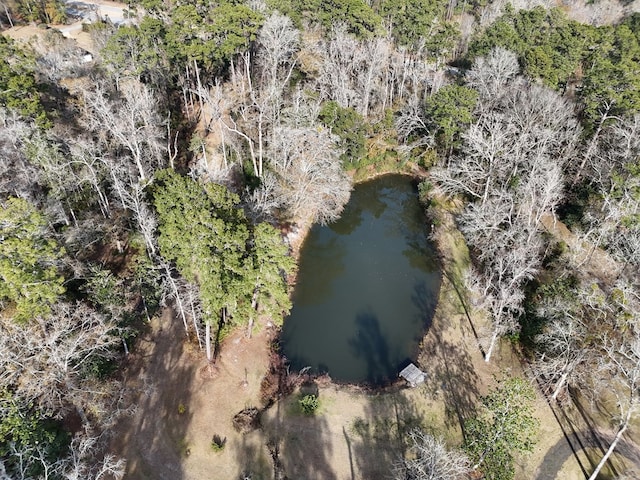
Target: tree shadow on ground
x: 382, y: 429
x: 449, y: 366
x: 453, y: 378
x: 457, y: 283
x: 585, y: 441
x: 152, y: 439
x: 253, y: 458
x: 300, y: 444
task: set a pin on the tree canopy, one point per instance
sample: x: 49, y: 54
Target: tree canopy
x: 503, y: 427
x: 204, y: 231
x: 18, y: 86
x: 31, y: 281
x: 210, y: 37
x: 265, y: 112
x: 562, y: 53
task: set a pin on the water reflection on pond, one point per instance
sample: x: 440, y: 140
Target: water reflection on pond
x: 367, y: 287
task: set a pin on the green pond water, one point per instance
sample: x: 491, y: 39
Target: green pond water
x: 367, y: 287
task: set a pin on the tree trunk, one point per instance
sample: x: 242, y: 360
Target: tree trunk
x: 260, y: 146
x: 204, y: 153
x: 592, y: 144
x: 222, y: 143
x: 200, y: 92
x: 254, y: 305
x: 178, y: 300
x: 195, y: 324
x: 221, y: 324
x: 6, y: 11
x: 184, y: 99
x: 79, y: 410
x: 207, y: 333
x: 146, y: 310
x: 103, y: 201
x: 137, y: 156
x: 561, y: 383
x: 250, y: 326
x: 492, y: 344
x: 612, y: 447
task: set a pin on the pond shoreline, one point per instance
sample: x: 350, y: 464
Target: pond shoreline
x: 358, y: 432
x: 296, y: 240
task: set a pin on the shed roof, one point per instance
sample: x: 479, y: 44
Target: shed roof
x: 413, y: 375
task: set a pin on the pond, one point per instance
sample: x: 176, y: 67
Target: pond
x: 367, y: 287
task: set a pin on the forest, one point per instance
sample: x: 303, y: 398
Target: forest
x: 168, y: 168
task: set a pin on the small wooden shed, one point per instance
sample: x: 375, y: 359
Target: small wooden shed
x: 413, y: 375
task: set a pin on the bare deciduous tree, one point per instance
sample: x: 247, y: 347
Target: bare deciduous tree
x: 58, y: 57
x: 502, y: 300
x: 592, y: 343
x: 352, y: 70
x: 44, y: 361
x: 564, y: 352
x: 277, y: 44
x: 186, y: 297
x: 262, y: 201
x: 510, y: 167
x: 128, y: 119
x: 429, y: 458
x: 18, y: 178
x: 8, y: 15
x: 250, y: 106
x: 312, y: 184
x: 67, y: 174
x: 490, y: 74
x: 85, y: 462
x: 621, y: 365
x: 91, y: 170
x: 611, y: 221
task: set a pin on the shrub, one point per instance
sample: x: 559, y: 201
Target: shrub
x: 309, y: 404
x: 218, y: 443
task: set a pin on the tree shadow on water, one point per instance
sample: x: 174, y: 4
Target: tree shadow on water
x: 420, y: 252
x: 371, y: 344
x: 425, y: 299
x: 322, y: 261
